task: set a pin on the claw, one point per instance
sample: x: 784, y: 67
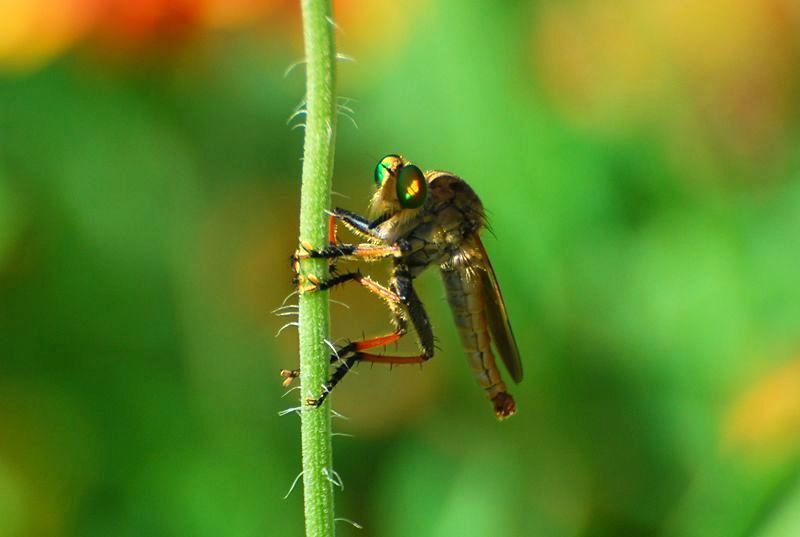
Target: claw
x: 308, y: 289
x: 312, y: 287
x: 306, y: 246
x: 299, y: 282
x: 304, y: 252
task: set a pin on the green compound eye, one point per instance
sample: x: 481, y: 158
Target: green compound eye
x: 385, y: 167
x: 412, y: 189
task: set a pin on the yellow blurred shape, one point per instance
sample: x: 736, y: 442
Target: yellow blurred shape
x: 376, y: 29
x: 596, y: 59
x: 766, y: 417
x: 690, y: 69
x: 34, y: 31
x: 718, y: 39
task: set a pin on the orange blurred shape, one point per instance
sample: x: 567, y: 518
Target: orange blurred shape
x: 236, y: 13
x: 766, y: 417
x: 129, y: 25
x: 34, y: 31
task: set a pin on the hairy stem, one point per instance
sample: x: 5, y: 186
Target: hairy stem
x: 313, y: 323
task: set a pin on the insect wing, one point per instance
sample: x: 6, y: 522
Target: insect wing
x: 499, y: 325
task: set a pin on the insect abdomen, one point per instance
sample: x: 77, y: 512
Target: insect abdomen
x: 469, y: 312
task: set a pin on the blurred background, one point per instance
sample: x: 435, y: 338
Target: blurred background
x: 639, y: 161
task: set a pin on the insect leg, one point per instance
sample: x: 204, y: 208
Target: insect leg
x: 361, y: 251
x: 403, y: 285
x: 356, y: 348
x: 342, y: 370
x: 358, y: 223
x: 316, y: 284
x: 404, y: 302
x: 290, y: 374
x: 387, y: 294
x: 332, y: 230
x: 368, y: 283
x: 408, y: 305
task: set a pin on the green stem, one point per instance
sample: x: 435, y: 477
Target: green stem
x: 314, y: 322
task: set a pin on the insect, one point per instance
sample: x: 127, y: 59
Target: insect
x: 422, y: 219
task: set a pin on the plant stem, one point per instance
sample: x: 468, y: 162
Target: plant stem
x: 314, y: 321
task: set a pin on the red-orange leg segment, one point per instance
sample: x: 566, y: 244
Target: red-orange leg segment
x: 349, y: 362
x: 357, y: 349
x: 396, y: 360
x: 332, y: 230
x: 379, y: 341
x: 290, y: 374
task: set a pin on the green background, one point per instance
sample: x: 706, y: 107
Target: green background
x: 639, y: 163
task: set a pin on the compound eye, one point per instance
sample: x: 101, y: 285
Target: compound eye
x: 412, y: 189
x: 385, y: 168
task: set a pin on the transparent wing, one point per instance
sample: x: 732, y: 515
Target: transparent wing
x: 499, y: 325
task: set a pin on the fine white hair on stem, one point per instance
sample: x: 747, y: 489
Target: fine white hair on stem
x: 296, y: 113
x: 339, y: 302
x: 348, y: 435
x: 299, y: 126
x: 333, y: 24
x: 296, y: 409
x: 348, y: 116
x: 292, y: 67
x: 339, y: 415
x: 290, y: 390
x: 294, y: 484
x: 344, y: 57
x: 286, y: 307
x: 290, y: 295
x: 353, y: 523
x: 343, y: 101
x: 334, y: 193
x: 329, y: 129
x: 286, y: 313
x: 284, y: 327
x: 335, y: 474
x: 334, y: 477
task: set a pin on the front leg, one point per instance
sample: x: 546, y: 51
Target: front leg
x: 354, y: 222
x: 336, y: 250
x: 366, y: 251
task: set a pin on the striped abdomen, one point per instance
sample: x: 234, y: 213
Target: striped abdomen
x: 468, y: 303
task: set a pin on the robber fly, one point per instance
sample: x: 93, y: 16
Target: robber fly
x: 422, y: 219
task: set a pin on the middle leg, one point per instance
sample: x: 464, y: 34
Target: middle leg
x: 409, y: 308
